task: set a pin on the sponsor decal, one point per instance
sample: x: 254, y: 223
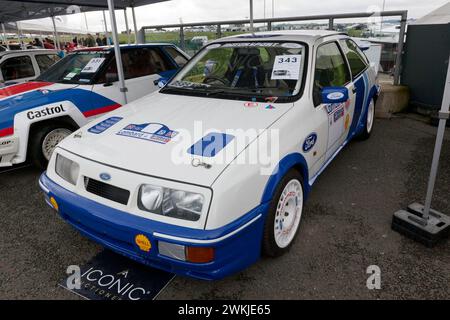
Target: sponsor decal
x: 4, y: 144
x: 347, y: 121
x: 271, y: 99
x: 270, y: 107
x: 104, y: 125
x: 347, y: 104
x: 155, y: 132
x: 332, y: 107
x: 249, y: 44
x: 309, y: 142
x: 143, y: 242
x: 110, y: 276
x: 338, y: 114
x: 251, y: 104
x: 211, y: 144
x: 48, y: 111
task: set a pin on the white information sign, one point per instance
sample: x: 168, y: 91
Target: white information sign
x: 93, y: 65
x: 286, y: 67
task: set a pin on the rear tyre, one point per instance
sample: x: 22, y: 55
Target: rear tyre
x: 370, y: 119
x: 43, y: 141
x: 284, y: 216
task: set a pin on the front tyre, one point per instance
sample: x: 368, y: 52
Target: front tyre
x: 285, y: 212
x: 44, y: 141
x: 370, y: 119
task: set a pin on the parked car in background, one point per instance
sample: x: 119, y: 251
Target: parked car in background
x: 23, y: 65
x: 213, y: 170
x: 36, y: 115
x: 200, y: 40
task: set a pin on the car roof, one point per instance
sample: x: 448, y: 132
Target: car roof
x: 4, y: 53
x: 126, y: 46
x: 308, y: 36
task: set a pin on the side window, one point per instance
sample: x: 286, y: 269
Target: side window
x: 176, y: 56
x: 355, y: 56
x: 143, y: 62
x: 331, y: 70
x: 17, y: 68
x: 45, y: 61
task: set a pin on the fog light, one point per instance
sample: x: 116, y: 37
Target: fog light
x: 199, y: 254
x: 172, y: 250
x: 54, y: 203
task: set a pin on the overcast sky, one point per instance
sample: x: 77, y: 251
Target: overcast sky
x: 208, y: 10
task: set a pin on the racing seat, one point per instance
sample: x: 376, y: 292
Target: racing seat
x: 248, y: 70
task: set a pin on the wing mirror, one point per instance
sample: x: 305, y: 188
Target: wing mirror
x: 334, y: 94
x: 161, y: 82
x: 110, y: 79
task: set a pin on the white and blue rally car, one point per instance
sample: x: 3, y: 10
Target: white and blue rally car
x: 210, y: 172
x: 36, y: 115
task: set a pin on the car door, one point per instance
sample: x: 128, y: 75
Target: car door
x: 358, y: 64
x: 17, y: 68
x: 331, y: 70
x: 142, y: 66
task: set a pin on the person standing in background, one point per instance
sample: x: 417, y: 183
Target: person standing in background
x: 90, y: 41
x: 38, y: 43
x: 98, y: 40
x: 48, y: 44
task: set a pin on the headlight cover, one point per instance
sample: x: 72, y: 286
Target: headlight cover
x: 67, y: 169
x: 171, y: 202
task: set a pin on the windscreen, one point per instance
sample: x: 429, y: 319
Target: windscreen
x: 256, y: 69
x: 76, y: 68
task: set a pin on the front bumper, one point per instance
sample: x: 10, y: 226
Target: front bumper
x: 9, y: 147
x: 236, y: 245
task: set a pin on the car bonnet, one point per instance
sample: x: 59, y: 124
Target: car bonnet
x: 183, y: 138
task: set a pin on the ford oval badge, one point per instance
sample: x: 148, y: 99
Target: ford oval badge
x: 310, y: 141
x: 105, y: 176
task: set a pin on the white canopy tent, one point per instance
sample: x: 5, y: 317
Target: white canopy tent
x: 14, y: 10
x: 36, y: 28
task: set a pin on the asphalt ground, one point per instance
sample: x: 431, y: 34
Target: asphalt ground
x: 345, y: 228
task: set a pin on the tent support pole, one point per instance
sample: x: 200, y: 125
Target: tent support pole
x: 444, y: 115
x: 401, y: 40
x: 117, y: 53
x: 126, y: 25
x: 135, y: 26
x: 55, y: 33
x: 252, y: 30
x: 106, y: 28
x: 4, y: 36
x: 19, y: 33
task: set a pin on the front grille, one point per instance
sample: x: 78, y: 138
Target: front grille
x: 107, y: 191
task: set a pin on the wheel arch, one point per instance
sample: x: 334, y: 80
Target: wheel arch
x: 290, y: 161
x: 65, y: 119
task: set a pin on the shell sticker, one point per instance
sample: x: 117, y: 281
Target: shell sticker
x: 143, y: 242
x: 347, y: 121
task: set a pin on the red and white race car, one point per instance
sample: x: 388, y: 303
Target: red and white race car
x: 35, y: 116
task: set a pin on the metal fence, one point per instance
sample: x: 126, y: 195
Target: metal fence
x: 177, y: 33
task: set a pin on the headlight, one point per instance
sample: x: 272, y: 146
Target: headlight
x: 170, y: 202
x: 67, y: 169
